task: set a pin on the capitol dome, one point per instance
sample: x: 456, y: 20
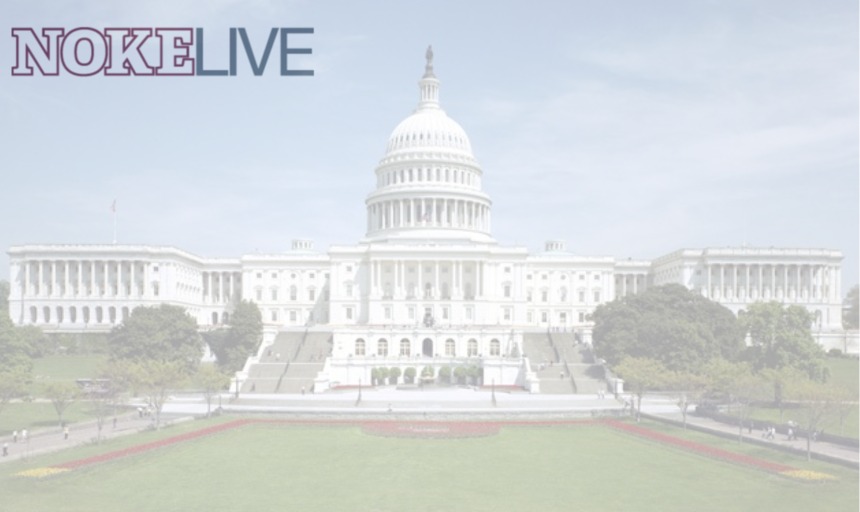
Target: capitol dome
x: 429, y: 129
x: 428, y: 183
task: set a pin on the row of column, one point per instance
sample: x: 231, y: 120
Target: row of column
x: 403, y: 213
x: 220, y: 287
x: 630, y: 284
x: 774, y: 281
x: 52, y: 278
x: 435, y: 175
x: 458, y: 284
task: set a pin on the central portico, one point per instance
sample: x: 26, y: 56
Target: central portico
x: 427, y: 284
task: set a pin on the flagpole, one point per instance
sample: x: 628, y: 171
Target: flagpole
x: 113, y: 210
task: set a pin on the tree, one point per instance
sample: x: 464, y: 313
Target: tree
x: 13, y: 384
x: 818, y: 401
x: 641, y: 375
x: 14, y: 350
x: 104, y: 397
x: 211, y: 380
x: 781, y: 337
x: 4, y: 297
x: 156, y: 378
x: 671, y: 324
x: 690, y: 388
x: 780, y: 378
x: 851, y: 309
x: 409, y: 375
x: 242, y: 338
x: 61, y: 395
x: 165, y: 333
x: 739, y: 384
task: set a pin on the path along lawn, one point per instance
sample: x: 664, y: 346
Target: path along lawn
x: 268, y: 467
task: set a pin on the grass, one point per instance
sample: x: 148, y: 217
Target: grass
x: 38, y: 415
x: 845, y: 372
x: 63, y: 368
x: 265, y: 467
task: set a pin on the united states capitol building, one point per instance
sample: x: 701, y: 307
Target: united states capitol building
x: 427, y: 284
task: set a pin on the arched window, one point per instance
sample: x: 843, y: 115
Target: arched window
x: 472, y: 348
x: 112, y: 314
x: 99, y: 315
x: 562, y: 294
x: 124, y: 314
x: 293, y: 292
x: 86, y: 314
x: 359, y: 347
x: 405, y: 348
x: 59, y: 314
x: 46, y: 311
x: 214, y: 318
x: 495, y: 348
x: 382, y: 348
x: 450, y: 348
x: 73, y: 314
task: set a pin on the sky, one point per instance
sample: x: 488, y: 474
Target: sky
x: 625, y: 128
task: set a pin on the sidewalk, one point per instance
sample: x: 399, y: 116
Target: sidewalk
x: 846, y: 455
x: 50, y: 440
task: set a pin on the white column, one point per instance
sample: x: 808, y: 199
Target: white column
x: 797, y: 294
x: 419, y: 281
x: 146, y: 290
x: 39, y: 275
x: 27, y: 285
x: 772, y: 281
x: 119, y: 286
x: 710, y: 287
x: 66, y: 288
x: 837, y: 285
x: 436, y: 292
x: 231, y: 278
x: 623, y: 285
x: 80, y: 265
x: 220, y: 287
x: 785, y: 281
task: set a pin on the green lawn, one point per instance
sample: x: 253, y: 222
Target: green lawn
x: 38, y: 415
x: 64, y: 368
x: 270, y: 467
x: 845, y: 372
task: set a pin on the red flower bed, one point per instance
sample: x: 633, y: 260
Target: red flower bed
x: 153, y: 445
x: 700, y: 448
x: 431, y: 429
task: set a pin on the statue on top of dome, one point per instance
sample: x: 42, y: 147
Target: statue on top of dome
x: 428, y: 69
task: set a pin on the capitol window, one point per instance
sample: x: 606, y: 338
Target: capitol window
x: 405, y: 349
x: 359, y: 347
x: 450, y: 348
x: 259, y: 294
x: 382, y: 348
x: 495, y: 347
x: 472, y: 348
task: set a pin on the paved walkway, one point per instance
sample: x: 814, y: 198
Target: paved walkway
x: 396, y: 403
x: 53, y: 439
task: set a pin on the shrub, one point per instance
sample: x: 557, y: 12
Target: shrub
x: 409, y: 375
x: 427, y: 372
x: 445, y: 374
x: 393, y: 374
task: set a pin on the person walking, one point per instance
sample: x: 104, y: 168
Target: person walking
x: 14, y: 436
x: 66, y: 433
x: 5, y: 449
